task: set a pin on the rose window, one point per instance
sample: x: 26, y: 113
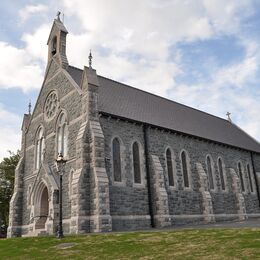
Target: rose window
x: 51, y: 105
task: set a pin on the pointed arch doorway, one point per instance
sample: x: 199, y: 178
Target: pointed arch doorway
x: 44, y: 209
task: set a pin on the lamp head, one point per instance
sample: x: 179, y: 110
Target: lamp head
x: 60, y: 160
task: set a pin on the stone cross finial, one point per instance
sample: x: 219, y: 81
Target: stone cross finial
x: 29, y: 107
x: 58, y: 15
x: 90, y: 59
x: 228, y: 115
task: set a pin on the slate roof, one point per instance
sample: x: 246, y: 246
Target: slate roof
x: 118, y: 99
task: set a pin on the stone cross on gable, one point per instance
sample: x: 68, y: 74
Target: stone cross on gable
x: 228, y: 115
x: 58, y: 15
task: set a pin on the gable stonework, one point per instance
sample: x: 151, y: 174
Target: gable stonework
x: 97, y: 110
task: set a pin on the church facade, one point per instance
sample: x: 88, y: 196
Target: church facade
x: 134, y: 160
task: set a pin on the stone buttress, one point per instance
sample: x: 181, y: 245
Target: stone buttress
x: 208, y: 212
x: 90, y: 187
x: 240, y: 200
x: 159, y: 194
x: 16, y: 203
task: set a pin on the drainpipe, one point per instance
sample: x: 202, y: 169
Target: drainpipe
x: 148, y: 174
x: 256, y: 179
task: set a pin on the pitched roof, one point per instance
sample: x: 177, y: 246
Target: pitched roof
x: 124, y: 101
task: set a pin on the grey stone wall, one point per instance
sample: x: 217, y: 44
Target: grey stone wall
x: 125, y: 200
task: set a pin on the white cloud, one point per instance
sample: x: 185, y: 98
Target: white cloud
x: 137, y: 35
x: 30, y: 10
x: 10, y: 135
x: 238, y: 74
x: 18, y: 69
x: 36, y: 43
x: 226, y: 15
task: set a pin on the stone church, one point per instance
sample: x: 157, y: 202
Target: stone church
x: 134, y: 160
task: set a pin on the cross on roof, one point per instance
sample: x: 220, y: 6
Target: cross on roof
x: 58, y: 15
x: 228, y: 115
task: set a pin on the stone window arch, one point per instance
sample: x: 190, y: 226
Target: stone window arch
x: 39, y: 147
x: 185, y: 166
x: 170, y: 167
x: 210, y: 172
x: 240, y: 174
x: 116, y: 160
x: 62, y: 134
x: 222, y: 174
x: 250, y: 177
x: 136, y: 163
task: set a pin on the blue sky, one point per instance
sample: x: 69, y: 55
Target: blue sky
x: 203, y: 53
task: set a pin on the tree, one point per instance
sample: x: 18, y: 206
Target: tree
x: 7, y: 176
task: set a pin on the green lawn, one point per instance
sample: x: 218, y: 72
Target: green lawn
x: 182, y: 244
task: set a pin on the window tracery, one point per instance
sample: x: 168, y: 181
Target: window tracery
x: 51, y: 105
x: 62, y: 134
x: 39, y: 148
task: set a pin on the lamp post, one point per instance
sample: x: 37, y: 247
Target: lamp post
x: 60, y: 165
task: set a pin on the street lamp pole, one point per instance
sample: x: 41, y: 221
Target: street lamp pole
x: 60, y: 165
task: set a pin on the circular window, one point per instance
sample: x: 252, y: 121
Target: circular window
x: 51, y: 105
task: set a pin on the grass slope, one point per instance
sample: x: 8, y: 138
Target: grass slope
x: 183, y: 244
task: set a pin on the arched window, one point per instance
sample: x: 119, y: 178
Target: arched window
x: 169, y: 167
x: 250, y: 178
x: 136, y: 162
x: 39, y: 148
x: 185, y: 169
x: 241, y: 176
x: 221, y: 174
x: 210, y: 173
x: 62, y: 135
x: 116, y: 160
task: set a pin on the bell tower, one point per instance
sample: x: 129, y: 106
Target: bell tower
x: 57, y: 42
